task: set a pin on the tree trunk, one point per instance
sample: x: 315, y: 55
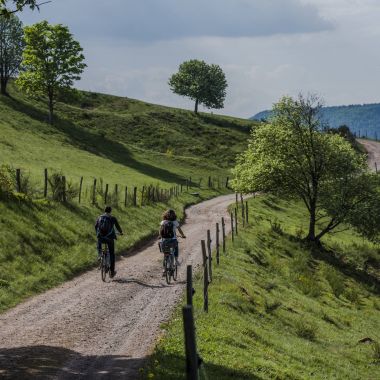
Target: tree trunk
x: 51, y: 109
x: 311, y: 235
x: 3, y: 85
x: 196, y: 106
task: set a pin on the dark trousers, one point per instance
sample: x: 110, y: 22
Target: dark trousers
x: 111, y: 249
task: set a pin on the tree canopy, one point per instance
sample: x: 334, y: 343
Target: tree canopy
x: 7, y: 7
x: 11, y: 47
x: 52, y: 61
x: 292, y: 157
x: 203, y: 83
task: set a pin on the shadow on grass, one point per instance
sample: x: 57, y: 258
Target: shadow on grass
x: 94, y: 143
x: 172, y: 367
x: 46, y: 362
x: 347, y: 269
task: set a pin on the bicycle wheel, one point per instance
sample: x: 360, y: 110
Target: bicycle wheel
x: 167, y: 269
x: 103, y: 271
x: 175, y: 270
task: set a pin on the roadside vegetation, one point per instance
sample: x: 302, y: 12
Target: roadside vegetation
x: 278, y: 311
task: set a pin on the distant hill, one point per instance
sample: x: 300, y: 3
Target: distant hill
x: 363, y: 120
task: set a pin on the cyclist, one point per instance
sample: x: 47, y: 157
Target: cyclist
x: 168, y: 230
x: 105, y: 232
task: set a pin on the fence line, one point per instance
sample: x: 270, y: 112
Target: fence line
x: 193, y: 360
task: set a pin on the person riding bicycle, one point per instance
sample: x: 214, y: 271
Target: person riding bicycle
x: 168, y: 230
x: 105, y: 232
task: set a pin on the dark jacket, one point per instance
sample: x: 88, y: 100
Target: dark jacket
x: 114, y: 222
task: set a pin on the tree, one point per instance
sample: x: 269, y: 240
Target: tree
x: 205, y: 84
x: 52, y: 61
x: 13, y: 6
x: 11, y: 47
x: 293, y: 157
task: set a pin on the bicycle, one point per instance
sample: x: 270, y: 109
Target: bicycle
x: 168, y: 247
x: 105, y: 264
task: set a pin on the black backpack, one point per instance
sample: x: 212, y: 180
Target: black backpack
x: 105, y: 226
x: 167, y: 230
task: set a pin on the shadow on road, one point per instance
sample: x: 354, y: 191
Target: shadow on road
x: 144, y: 284
x: 45, y: 362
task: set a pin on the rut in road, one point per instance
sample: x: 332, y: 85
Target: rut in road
x: 91, y: 330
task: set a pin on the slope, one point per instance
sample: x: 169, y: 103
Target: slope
x: 95, y: 136
x: 276, y: 311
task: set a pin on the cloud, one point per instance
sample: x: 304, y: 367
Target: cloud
x: 157, y: 20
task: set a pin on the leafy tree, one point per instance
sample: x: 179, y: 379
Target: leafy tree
x: 11, y: 47
x: 205, y: 84
x: 7, y: 7
x: 52, y: 61
x: 293, y: 157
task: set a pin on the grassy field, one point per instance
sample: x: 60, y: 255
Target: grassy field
x: 278, y: 312
x: 117, y: 140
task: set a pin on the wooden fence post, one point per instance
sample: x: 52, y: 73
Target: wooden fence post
x: 205, y: 277
x: 189, y: 285
x: 45, y: 183
x: 227, y: 180
x: 236, y: 201
x: 209, y: 251
x: 232, y: 227
x: 224, y: 235
x: 94, y: 193
x: 190, y: 182
x: 242, y: 210
x: 135, y: 196
x: 142, y: 195
x: 126, y: 196
x: 246, y: 212
x: 236, y: 223
x: 64, y: 188
x: 181, y: 187
x: 18, y: 180
x: 106, y: 195
x: 80, y: 190
x: 192, y: 372
x: 217, y: 244
x: 209, y: 181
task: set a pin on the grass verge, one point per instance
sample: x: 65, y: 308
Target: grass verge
x: 277, y: 312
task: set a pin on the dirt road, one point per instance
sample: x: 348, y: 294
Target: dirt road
x: 86, y: 329
x: 373, y: 149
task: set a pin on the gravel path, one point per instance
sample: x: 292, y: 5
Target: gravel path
x: 373, y: 149
x: 86, y: 329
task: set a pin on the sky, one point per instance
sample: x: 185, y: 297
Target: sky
x: 267, y: 48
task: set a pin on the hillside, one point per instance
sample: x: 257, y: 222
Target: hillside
x: 363, y: 120
x: 279, y: 311
x: 117, y: 141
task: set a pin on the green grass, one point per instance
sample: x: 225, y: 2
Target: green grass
x: 277, y: 312
x: 115, y: 140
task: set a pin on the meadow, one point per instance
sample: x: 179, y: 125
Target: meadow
x: 278, y: 310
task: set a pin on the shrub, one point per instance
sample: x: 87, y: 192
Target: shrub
x: 306, y: 330
x: 57, y: 187
x: 336, y: 281
x: 276, y: 227
x: 6, y: 180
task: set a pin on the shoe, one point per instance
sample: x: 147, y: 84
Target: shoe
x: 164, y: 273
x: 113, y: 274
x: 177, y: 262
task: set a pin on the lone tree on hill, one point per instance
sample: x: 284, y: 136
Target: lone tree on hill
x: 292, y: 157
x: 52, y: 61
x: 203, y: 83
x: 11, y: 47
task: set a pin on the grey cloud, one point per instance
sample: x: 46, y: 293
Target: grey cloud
x: 155, y: 20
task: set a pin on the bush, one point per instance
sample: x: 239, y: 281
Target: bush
x: 306, y: 330
x: 7, y: 184
x: 57, y: 186
x: 336, y: 281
